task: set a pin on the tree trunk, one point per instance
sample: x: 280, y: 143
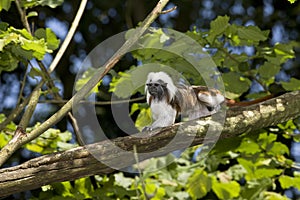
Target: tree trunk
x: 81, y: 161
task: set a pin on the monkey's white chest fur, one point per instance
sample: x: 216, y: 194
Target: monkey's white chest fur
x: 163, y: 114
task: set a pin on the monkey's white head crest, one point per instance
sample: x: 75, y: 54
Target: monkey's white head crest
x: 156, y: 76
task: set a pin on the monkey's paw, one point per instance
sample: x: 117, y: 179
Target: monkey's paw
x: 147, y: 128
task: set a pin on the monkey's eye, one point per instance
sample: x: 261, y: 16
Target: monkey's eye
x: 152, y: 84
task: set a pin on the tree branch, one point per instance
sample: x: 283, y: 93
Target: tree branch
x: 78, y: 162
x: 69, y: 36
x: 23, y: 16
x: 97, y: 103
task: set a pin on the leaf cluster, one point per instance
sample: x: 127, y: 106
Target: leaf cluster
x: 50, y: 141
x: 5, y: 4
x: 18, y: 45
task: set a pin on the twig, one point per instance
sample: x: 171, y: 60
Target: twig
x: 76, y: 129
x: 58, y: 98
x: 169, y: 10
x: 69, y: 36
x: 30, y: 108
x: 136, y: 157
x: 7, y: 151
x: 22, y: 86
x: 48, y: 81
x: 23, y: 16
x: 18, y: 109
x: 128, y: 5
x: 54, y: 63
x: 20, y: 131
x: 99, y: 103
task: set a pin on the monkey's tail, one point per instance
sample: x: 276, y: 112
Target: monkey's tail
x: 233, y: 103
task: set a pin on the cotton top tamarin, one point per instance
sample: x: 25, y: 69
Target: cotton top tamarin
x: 168, y: 101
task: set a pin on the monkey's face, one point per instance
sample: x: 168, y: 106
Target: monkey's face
x: 157, y: 89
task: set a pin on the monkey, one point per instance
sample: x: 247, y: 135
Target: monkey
x: 167, y: 101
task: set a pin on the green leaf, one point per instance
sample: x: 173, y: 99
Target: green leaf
x: 181, y: 195
x: 123, y: 181
x: 249, y: 166
x: 257, y: 95
x: 50, y: 141
x: 235, y: 85
x: 20, y: 54
x: 8, y: 62
x: 84, y: 186
x: 199, y: 184
x: 63, y: 188
x: 144, y: 118
x: 249, y: 147
x: 3, y: 26
x: 38, y: 47
x: 49, y: 36
x: 34, y: 148
x: 32, y: 14
x: 274, y: 196
x: 51, y: 4
x: 237, y: 172
x: 86, y: 76
x: 152, y: 189
x: 254, y: 188
x: 23, y: 32
x: 292, y: 85
x: 220, y: 24
x: 63, y: 146
x: 217, y: 27
x: 34, y: 3
x: 65, y: 136
x: 266, y: 173
x: 252, y: 33
x: 268, y: 70
x: 285, y: 51
x: 226, y: 144
x: 265, y: 140
x: 4, y: 138
x: 5, y: 4
x: 121, y: 86
x: 278, y: 148
x: 292, y: 1
x: 227, y: 190
x: 232, y: 61
x: 288, y: 181
x: 35, y: 72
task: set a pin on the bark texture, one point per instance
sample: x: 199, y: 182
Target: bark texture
x: 84, y: 161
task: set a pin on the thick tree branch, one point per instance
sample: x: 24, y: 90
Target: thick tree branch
x: 78, y: 162
x: 5, y: 153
